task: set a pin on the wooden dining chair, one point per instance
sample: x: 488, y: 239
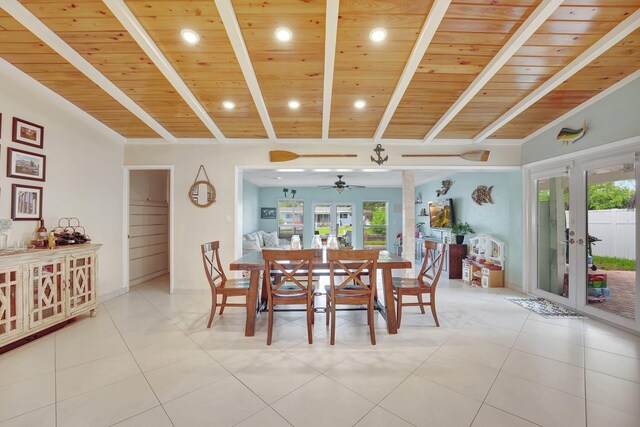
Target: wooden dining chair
x: 425, y: 283
x: 348, y: 270
x: 218, y: 280
x: 289, y: 282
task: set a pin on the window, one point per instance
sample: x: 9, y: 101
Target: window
x: 374, y: 220
x: 290, y: 219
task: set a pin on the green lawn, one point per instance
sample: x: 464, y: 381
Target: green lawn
x: 327, y: 230
x: 612, y: 263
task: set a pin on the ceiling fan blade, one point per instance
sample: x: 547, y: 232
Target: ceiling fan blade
x: 356, y: 186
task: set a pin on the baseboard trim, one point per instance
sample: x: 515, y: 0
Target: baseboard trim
x: 111, y: 295
x: 148, y: 277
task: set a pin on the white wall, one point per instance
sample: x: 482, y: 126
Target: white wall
x: 149, y: 185
x: 194, y: 225
x: 84, y: 175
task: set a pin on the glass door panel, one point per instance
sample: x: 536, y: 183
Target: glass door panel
x: 553, y: 235
x: 344, y: 224
x: 374, y: 219
x: 322, y: 219
x: 610, y: 242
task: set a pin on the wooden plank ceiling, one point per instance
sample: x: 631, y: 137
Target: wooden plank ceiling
x: 470, y: 35
x: 566, y: 34
x: 28, y: 53
x: 367, y: 70
x: 90, y: 29
x: 209, y: 68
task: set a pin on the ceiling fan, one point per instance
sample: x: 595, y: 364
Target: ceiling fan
x: 340, y: 185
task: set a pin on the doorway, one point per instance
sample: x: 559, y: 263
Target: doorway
x: 148, y: 239
x: 583, y: 235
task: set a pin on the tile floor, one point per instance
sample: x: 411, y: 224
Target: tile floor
x: 147, y: 359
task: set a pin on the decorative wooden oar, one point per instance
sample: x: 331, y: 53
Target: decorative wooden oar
x: 285, y: 156
x: 474, y: 156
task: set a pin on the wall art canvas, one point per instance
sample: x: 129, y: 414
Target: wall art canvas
x: 267, y: 213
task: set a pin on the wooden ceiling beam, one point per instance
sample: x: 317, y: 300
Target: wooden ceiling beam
x: 230, y: 22
x: 614, y: 36
x: 33, y: 24
x: 431, y: 24
x: 519, y: 38
x: 132, y: 25
x: 330, y: 38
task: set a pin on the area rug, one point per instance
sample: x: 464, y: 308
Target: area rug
x: 545, y: 308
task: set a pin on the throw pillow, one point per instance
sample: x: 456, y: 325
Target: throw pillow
x: 270, y: 240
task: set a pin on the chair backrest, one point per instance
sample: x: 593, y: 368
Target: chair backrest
x: 212, y: 265
x: 289, y: 267
x: 350, y: 265
x: 432, y: 264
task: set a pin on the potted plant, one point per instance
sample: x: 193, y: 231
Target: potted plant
x: 460, y: 229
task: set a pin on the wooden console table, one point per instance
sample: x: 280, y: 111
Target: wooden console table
x: 40, y: 288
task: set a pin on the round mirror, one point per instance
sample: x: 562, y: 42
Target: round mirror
x: 202, y: 194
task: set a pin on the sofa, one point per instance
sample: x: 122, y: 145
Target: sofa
x: 258, y: 240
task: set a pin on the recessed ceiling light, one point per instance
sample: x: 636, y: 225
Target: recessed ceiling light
x: 360, y: 104
x: 283, y: 34
x: 322, y: 170
x: 228, y: 105
x: 294, y: 104
x: 190, y: 36
x: 290, y: 170
x: 375, y: 170
x: 378, y: 34
x: 344, y: 170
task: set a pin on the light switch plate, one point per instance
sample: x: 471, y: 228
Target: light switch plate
x: 228, y: 219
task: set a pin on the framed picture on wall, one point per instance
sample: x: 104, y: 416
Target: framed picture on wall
x: 25, y: 165
x: 28, y: 133
x: 26, y: 202
x: 267, y: 213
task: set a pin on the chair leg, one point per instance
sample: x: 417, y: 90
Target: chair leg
x: 223, y: 304
x: 309, y: 324
x: 327, y: 310
x: 432, y: 303
x: 214, y: 302
x: 372, y: 329
x: 270, y: 325
x: 420, y: 301
x: 333, y: 323
x: 399, y: 307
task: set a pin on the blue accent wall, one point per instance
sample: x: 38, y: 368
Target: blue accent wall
x: 502, y: 219
x: 250, y: 207
x: 269, y: 197
x: 613, y: 118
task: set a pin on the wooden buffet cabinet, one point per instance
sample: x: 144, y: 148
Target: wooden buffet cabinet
x: 40, y: 288
x: 453, y: 259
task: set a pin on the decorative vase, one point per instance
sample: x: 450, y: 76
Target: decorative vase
x: 459, y: 239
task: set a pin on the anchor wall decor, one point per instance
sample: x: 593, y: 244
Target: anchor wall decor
x: 379, y: 160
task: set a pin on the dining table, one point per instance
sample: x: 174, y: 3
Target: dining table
x: 254, y: 264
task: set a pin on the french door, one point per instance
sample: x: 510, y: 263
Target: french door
x: 583, y: 235
x: 334, y: 218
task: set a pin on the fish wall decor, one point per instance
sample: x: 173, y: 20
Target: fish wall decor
x: 567, y: 135
x: 482, y: 195
x: 446, y: 185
